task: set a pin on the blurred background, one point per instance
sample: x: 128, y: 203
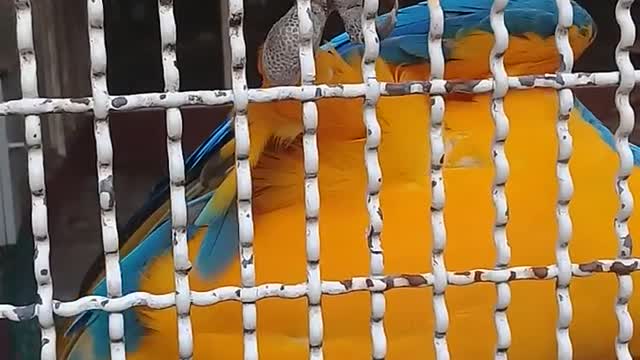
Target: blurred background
x: 139, y: 139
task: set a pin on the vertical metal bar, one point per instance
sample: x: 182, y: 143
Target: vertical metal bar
x: 374, y: 174
x: 501, y: 164
x: 181, y: 262
x: 104, y: 165
x: 226, y: 47
x: 311, y: 192
x: 243, y: 177
x: 6, y: 198
x: 627, y: 122
x: 39, y: 223
x: 7, y: 207
x: 565, y: 183
x: 54, y: 126
x: 57, y: 135
x: 441, y: 316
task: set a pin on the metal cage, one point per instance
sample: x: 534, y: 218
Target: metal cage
x: 101, y: 103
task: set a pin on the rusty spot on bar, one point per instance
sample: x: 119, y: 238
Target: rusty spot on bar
x: 388, y: 280
x: 414, y: 280
x: 348, y: 284
x: 84, y: 101
x: 235, y: 19
x: 459, y: 86
x: 369, y: 283
x: 119, y: 102
x: 398, y: 89
x: 462, y: 273
x: 622, y: 269
x: 22, y: 5
x: 247, y: 262
x: 591, y: 267
x: 197, y: 99
x: 106, y: 188
x: 527, y: 80
x: 540, y: 272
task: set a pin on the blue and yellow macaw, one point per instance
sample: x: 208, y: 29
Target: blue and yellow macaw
x: 278, y: 207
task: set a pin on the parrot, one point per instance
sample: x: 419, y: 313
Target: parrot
x: 405, y: 199
x: 204, y: 162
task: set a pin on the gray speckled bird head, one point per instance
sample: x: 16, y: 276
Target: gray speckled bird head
x: 280, y: 54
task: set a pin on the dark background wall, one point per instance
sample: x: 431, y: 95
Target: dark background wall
x: 134, y: 66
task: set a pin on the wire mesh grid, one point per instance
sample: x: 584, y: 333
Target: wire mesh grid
x: 101, y: 104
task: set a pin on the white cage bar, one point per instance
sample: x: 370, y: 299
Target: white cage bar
x: 243, y: 177
x: 501, y: 164
x: 248, y: 293
x: 104, y: 167
x: 311, y: 190
x: 8, y: 188
x: 374, y: 175
x: 627, y: 122
x: 181, y: 262
x: 438, y: 230
x: 39, y: 222
x: 565, y: 183
x: 148, y: 101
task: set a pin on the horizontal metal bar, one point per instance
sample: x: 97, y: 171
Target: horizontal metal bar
x: 16, y: 145
x: 150, y: 101
x: 295, y: 291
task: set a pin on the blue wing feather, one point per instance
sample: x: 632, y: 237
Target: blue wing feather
x: 407, y: 42
x: 221, y: 135
x: 604, y: 132
x: 132, y: 267
x: 220, y: 243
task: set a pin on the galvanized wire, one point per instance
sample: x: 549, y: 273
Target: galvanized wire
x: 565, y: 184
x: 243, y: 178
x: 104, y: 168
x: 181, y: 262
x: 441, y: 316
x: 501, y: 164
x: 374, y: 175
x: 311, y: 191
x: 627, y: 122
x: 39, y: 222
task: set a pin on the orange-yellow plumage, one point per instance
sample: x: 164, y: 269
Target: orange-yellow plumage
x: 276, y: 158
x: 474, y: 48
x: 405, y: 197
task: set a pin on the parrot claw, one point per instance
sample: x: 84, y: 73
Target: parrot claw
x: 280, y: 62
x: 385, y: 28
x: 350, y: 12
